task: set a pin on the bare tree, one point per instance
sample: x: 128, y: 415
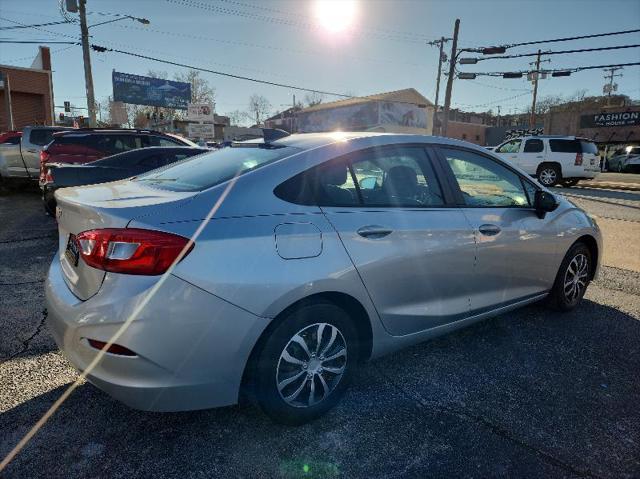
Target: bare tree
x: 201, y: 91
x: 313, y: 98
x: 259, y: 107
x: 238, y: 117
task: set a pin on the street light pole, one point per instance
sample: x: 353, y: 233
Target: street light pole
x: 86, y: 55
x: 452, y: 71
x: 440, y: 56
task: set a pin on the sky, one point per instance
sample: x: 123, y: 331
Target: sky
x: 382, y: 49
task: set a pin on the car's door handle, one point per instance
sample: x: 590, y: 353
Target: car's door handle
x: 374, y: 231
x: 31, y: 151
x: 489, y: 230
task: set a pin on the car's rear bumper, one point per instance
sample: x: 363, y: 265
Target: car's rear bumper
x: 191, y: 346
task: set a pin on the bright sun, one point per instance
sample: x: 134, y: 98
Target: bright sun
x: 335, y: 16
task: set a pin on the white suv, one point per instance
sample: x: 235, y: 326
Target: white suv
x: 553, y: 160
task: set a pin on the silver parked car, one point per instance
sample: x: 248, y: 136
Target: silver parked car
x: 272, y: 269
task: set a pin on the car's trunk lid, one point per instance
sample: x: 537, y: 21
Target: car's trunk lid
x: 107, y: 205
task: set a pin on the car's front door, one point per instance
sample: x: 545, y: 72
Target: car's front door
x: 413, y: 249
x: 516, y: 252
x: 532, y: 155
x: 510, y: 151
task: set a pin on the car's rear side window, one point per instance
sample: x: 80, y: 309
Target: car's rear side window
x: 565, y: 146
x: 210, y: 169
x: 535, y: 145
x: 41, y: 137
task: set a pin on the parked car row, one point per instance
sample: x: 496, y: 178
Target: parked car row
x: 270, y: 269
x: 627, y: 160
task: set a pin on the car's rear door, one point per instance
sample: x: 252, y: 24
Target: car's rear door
x: 531, y: 155
x: 413, y: 249
x: 516, y: 250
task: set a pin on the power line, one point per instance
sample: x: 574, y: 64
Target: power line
x: 564, y: 39
x: 261, y: 46
x: 37, y: 28
x: 494, y: 102
x: 54, y: 42
x: 562, y: 52
x: 305, y: 25
x: 16, y: 27
x: 574, y: 69
x: 215, y: 72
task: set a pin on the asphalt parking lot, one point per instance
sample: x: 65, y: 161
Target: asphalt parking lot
x: 532, y: 393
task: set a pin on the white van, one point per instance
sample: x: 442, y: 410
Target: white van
x: 553, y: 160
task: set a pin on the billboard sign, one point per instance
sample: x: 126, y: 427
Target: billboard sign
x: 204, y: 131
x: 141, y: 90
x: 599, y: 120
x: 200, y: 112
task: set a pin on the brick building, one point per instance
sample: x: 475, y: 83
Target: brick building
x: 31, y: 91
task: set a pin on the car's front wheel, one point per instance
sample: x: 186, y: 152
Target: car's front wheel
x: 572, y: 279
x: 306, y: 363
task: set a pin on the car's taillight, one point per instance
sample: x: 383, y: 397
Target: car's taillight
x: 44, y: 158
x: 578, y: 159
x: 48, y: 177
x: 131, y: 251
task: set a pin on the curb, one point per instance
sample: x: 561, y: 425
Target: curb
x: 611, y: 186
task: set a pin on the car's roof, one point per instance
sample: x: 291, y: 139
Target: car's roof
x: 308, y: 141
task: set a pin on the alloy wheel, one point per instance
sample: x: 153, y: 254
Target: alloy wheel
x: 575, y: 278
x: 311, y: 365
x: 548, y: 176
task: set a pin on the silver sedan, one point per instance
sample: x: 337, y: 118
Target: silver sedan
x: 270, y: 270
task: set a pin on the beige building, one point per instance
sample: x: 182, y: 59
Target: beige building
x: 401, y: 111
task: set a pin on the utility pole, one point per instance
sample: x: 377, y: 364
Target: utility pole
x: 610, y: 87
x: 532, y: 117
x: 441, y: 60
x: 88, y: 78
x: 452, y: 71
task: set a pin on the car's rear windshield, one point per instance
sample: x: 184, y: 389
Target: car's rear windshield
x: 210, y: 169
x: 573, y: 146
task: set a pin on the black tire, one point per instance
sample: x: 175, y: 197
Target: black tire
x: 549, y: 175
x: 564, y: 299
x: 267, y: 373
x: 570, y: 183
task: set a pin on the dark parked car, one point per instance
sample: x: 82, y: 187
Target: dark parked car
x: 89, y: 144
x: 116, y: 167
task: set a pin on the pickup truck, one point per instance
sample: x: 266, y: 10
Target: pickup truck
x: 20, y: 162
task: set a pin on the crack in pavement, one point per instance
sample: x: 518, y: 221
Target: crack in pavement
x: 27, y: 342
x: 487, y: 423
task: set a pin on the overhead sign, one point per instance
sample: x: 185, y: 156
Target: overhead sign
x: 205, y: 131
x: 200, y: 112
x: 141, y: 90
x: 599, y: 120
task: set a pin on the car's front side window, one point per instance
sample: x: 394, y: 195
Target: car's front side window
x: 484, y: 182
x: 512, y: 146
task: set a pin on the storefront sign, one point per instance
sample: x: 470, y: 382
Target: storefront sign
x: 598, y: 120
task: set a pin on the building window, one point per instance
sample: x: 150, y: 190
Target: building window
x: 477, y: 137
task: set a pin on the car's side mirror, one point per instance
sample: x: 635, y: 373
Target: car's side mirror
x: 544, y: 203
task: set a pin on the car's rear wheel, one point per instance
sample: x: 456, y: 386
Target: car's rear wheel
x: 572, y: 279
x: 549, y: 175
x: 306, y: 363
x: 570, y: 183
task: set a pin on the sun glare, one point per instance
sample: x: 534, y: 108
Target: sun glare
x: 335, y: 16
